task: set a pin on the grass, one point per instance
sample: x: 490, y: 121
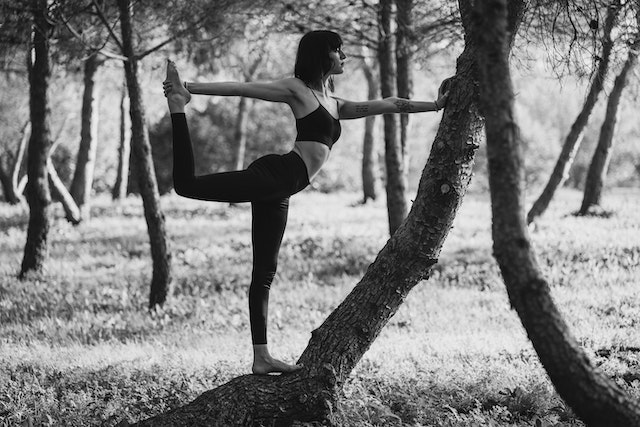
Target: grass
x: 77, y: 346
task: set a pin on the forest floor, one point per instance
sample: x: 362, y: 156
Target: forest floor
x: 78, y: 346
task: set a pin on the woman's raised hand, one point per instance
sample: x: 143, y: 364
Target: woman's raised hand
x: 443, y: 92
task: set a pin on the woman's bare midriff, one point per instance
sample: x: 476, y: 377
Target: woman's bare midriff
x: 313, y: 154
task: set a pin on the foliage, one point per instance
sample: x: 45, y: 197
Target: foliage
x: 79, y: 348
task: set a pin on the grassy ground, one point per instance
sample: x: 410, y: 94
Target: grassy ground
x: 77, y: 346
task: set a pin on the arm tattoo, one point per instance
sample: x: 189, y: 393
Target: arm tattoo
x: 362, y: 108
x: 404, y: 106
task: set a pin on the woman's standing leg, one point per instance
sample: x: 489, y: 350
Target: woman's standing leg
x: 269, y: 219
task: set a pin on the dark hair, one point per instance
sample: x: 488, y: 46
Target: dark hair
x: 312, y: 60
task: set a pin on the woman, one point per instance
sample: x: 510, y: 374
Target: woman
x: 269, y: 181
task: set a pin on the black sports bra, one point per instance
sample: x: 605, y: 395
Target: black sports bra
x: 319, y: 126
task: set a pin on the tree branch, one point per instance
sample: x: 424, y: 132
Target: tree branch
x: 106, y: 24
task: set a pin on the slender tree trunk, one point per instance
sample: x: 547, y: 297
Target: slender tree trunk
x: 595, y: 398
x: 85, y: 164
x: 574, y: 138
x: 59, y: 191
x: 404, y: 78
x: 5, y: 182
x: 240, y: 133
x: 144, y: 164
x: 124, y: 149
x: 38, y: 196
x: 10, y: 182
x: 369, y: 156
x: 339, y: 343
x: 600, y: 161
x: 396, y: 183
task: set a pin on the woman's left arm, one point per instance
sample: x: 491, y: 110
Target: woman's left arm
x: 356, y: 110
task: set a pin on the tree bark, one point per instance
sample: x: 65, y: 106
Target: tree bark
x: 240, y: 133
x: 596, y: 399
x: 71, y: 209
x: 407, y: 258
x: 85, y: 164
x: 124, y: 149
x: 160, y: 254
x: 404, y: 78
x: 600, y: 161
x: 38, y: 195
x: 396, y: 184
x: 369, y: 157
x: 574, y: 138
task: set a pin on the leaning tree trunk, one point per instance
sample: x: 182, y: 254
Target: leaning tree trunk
x: 38, y: 196
x: 404, y: 78
x: 600, y: 161
x: 396, y: 182
x: 10, y: 176
x: 369, y: 157
x: 119, y: 190
x: 574, y: 138
x: 144, y: 164
x: 339, y: 343
x: 59, y: 191
x: 596, y: 399
x: 85, y: 163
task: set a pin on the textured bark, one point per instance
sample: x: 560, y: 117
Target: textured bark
x: 369, y: 155
x: 595, y: 398
x: 124, y: 149
x: 148, y: 186
x: 404, y: 77
x: 396, y: 184
x: 574, y: 138
x: 38, y: 196
x: 600, y: 161
x: 339, y: 343
x: 59, y: 191
x: 85, y: 163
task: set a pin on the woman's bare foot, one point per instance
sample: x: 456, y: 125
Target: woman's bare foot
x: 264, y: 364
x: 177, y: 95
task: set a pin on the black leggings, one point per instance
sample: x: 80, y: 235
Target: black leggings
x: 267, y: 183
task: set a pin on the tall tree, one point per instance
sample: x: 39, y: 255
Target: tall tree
x: 574, y: 138
x: 369, y: 155
x: 404, y: 76
x: 407, y: 258
x: 160, y: 254
x: 396, y: 183
x: 38, y: 195
x: 85, y: 163
x: 602, y: 154
x: 119, y: 190
x: 596, y: 399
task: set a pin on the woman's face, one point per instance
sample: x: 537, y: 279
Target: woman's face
x: 337, y: 57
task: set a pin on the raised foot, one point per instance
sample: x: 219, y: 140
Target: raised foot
x: 177, y: 95
x: 271, y: 365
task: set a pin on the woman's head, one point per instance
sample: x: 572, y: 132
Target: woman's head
x: 319, y: 55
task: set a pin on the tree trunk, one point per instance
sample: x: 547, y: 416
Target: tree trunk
x: 396, y: 182
x: 10, y: 183
x: 240, y: 133
x: 369, y: 158
x: 600, y: 161
x: 83, y: 177
x: 124, y: 149
x: 404, y: 79
x: 71, y: 209
x: 595, y: 398
x: 574, y: 138
x: 339, y: 343
x: 144, y: 164
x: 38, y: 196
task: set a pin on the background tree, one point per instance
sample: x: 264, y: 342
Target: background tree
x: 575, y: 135
x: 596, y: 399
x: 369, y: 153
x: 602, y: 154
x: 119, y: 190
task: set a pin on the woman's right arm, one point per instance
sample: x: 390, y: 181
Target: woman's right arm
x: 276, y: 91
